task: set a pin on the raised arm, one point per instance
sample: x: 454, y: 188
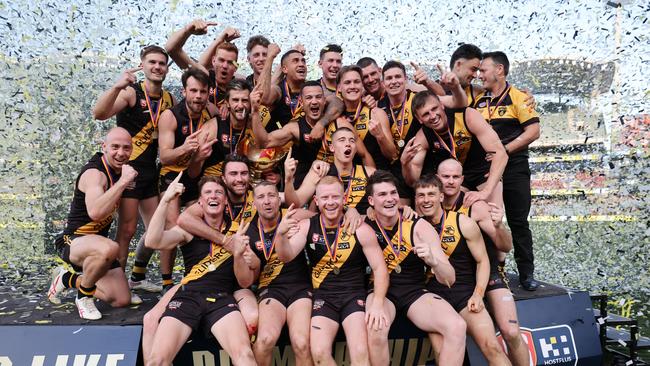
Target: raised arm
x: 166, y: 139
x: 376, y: 317
x: 263, y: 139
x: 270, y: 92
x: 100, y: 203
x: 413, y: 157
x: 243, y: 272
x: 228, y: 35
x: 156, y: 236
x: 301, y: 196
x: 191, y: 220
x: 118, y: 97
x: 490, y: 142
x: 206, y: 139
x: 292, y: 236
x: 427, y: 246
x: 476, y: 246
x: 379, y: 127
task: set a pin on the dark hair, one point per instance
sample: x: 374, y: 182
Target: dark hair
x: 499, y: 58
x: 420, y: 98
x: 199, y: 75
x: 153, y: 49
x: 330, y: 48
x: 258, y: 40
x: 393, y: 64
x: 346, y: 69
x: 341, y: 129
x: 287, y: 54
x: 467, y: 51
x: 228, y: 46
x: 366, y: 61
x: 211, y: 178
x: 428, y: 180
x: 311, y: 83
x: 235, y: 158
x: 237, y: 84
x: 265, y: 183
x: 380, y: 176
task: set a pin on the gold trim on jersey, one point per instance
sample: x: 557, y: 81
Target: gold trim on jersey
x: 357, y: 186
x: 271, y: 270
x: 405, y: 248
x: 360, y: 128
x: 149, y: 132
x: 95, y: 227
x: 463, y: 138
x: 245, y: 215
x: 451, y: 234
x: 185, y: 162
x: 218, y: 257
x: 408, y: 120
x: 327, y: 265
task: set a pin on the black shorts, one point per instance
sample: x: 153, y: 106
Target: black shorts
x: 338, y: 306
x: 62, y: 244
x: 200, y: 310
x: 404, y: 296
x: 191, y: 192
x: 473, y: 180
x: 146, y: 183
x: 285, y: 294
x: 498, y: 279
x: 457, y: 296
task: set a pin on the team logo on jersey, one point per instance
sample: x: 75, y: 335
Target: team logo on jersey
x: 315, y: 238
x: 224, y: 138
x: 185, y: 130
x: 306, y: 137
x: 360, y: 126
x: 436, y: 145
x: 361, y: 302
x: 502, y: 111
x: 143, y: 104
x: 259, y: 245
x: 318, y: 304
x: 461, y: 138
x: 449, y: 230
x: 482, y: 105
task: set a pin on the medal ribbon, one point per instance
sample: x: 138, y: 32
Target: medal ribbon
x: 357, y: 113
x: 451, y: 150
x: 399, y: 123
x: 213, y: 244
x: 503, y: 96
x: 111, y: 179
x: 353, y: 171
x: 155, y: 119
x: 230, y: 138
x: 331, y: 249
x: 268, y: 251
x: 443, y: 219
x: 397, y: 251
x: 289, y: 102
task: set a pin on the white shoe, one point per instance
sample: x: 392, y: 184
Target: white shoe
x: 87, y: 308
x: 145, y: 286
x: 135, y: 299
x: 56, y: 287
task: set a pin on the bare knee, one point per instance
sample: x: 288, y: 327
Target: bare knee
x: 511, y: 334
x: 358, y: 352
x: 320, y: 353
x: 109, y: 251
x: 127, y: 228
x: 120, y: 300
x: 156, y: 359
x: 301, y: 346
x: 455, y: 330
x: 491, y: 348
x: 265, y: 341
x: 377, y: 339
x: 243, y: 356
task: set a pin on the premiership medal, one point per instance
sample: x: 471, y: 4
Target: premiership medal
x: 336, y: 270
x: 267, y: 269
x: 331, y: 248
x: 399, y: 122
x: 400, y: 143
x: 398, y: 269
x: 396, y: 249
x: 211, y: 267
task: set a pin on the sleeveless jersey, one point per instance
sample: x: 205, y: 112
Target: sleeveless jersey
x: 139, y: 121
x: 208, y: 266
x: 342, y: 272
x: 273, y: 271
x: 288, y: 106
x: 354, y: 187
x: 411, y: 267
x: 454, y: 245
x: 239, y: 213
x: 184, y: 127
x: 217, y: 92
x: 79, y: 223
x: 228, y: 140
x: 305, y: 152
x: 403, y: 126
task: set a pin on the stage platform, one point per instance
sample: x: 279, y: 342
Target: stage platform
x: 557, y: 324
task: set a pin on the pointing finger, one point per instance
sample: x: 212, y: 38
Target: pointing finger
x: 134, y: 70
x: 210, y: 24
x: 415, y: 66
x: 178, y: 177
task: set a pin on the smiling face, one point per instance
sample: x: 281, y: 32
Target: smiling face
x: 394, y: 81
x: 117, y: 148
x: 154, y: 66
x: 432, y: 114
x: 224, y: 63
x: 212, y: 198
x: 450, y: 173
x: 313, y: 101
x: 295, y: 67
x: 344, y: 145
x: 257, y: 57
x: 236, y: 177
x: 371, y: 77
x: 267, y: 201
x: 239, y: 104
x: 428, y: 200
x: 466, y: 70
x: 384, y: 199
x: 350, y: 86
x: 330, y: 63
x: 196, y: 95
x: 329, y: 200
x: 490, y: 73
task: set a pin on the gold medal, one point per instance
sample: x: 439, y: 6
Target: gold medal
x: 398, y: 269
x: 400, y: 143
x: 211, y: 267
x: 267, y: 269
x: 336, y: 270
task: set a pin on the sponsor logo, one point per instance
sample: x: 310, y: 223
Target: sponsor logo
x: 315, y: 238
x: 185, y: 130
x: 361, y: 302
x: 549, y: 346
x: 173, y: 305
x: 449, y: 230
x: 224, y: 138
x: 502, y: 111
x: 344, y: 246
x: 143, y: 104
x: 447, y: 239
x: 318, y: 304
